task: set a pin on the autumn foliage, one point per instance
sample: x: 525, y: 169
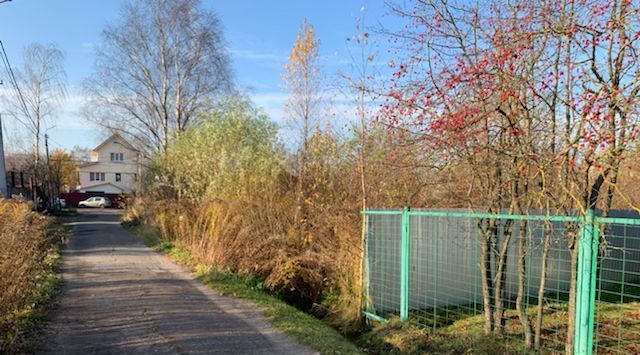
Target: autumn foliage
x: 225, y: 193
x: 25, y: 265
x: 538, y: 99
x: 501, y: 106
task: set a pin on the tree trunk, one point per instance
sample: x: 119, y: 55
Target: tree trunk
x: 522, y: 268
x: 300, y: 195
x: 571, y: 325
x: 501, y: 278
x: 36, y: 153
x: 165, y: 136
x: 300, y: 214
x: 541, y: 290
x: 486, y: 274
x: 363, y: 191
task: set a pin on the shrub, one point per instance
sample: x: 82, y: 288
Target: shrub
x: 225, y: 192
x: 25, y: 263
x: 233, y: 154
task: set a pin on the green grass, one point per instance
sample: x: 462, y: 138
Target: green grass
x: 304, y: 327
x: 617, y: 330
x: 396, y: 337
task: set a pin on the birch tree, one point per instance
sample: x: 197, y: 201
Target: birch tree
x: 157, y: 69
x: 359, y: 82
x: 40, y: 88
x: 302, y: 78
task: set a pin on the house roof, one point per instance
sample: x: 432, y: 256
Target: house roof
x: 84, y: 165
x: 99, y: 185
x: 115, y: 136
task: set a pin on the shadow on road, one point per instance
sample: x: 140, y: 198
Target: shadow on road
x: 119, y: 296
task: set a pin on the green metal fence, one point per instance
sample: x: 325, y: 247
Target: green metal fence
x: 426, y: 267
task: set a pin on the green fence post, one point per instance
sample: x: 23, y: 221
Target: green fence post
x: 367, y: 296
x: 586, y: 287
x: 404, y: 266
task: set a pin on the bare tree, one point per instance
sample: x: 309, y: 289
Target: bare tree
x: 359, y: 82
x: 40, y: 87
x: 157, y: 70
x: 80, y: 154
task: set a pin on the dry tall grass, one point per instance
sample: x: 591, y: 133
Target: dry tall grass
x: 226, y: 192
x: 24, y: 247
x: 248, y: 239
x: 316, y: 270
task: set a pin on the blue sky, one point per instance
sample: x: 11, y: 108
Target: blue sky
x: 259, y: 36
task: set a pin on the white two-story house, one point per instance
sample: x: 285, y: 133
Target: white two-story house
x: 114, y: 171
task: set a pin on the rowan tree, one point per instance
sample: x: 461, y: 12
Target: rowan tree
x: 537, y: 98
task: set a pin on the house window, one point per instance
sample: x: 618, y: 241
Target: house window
x: 118, y: 177
x: 117, y: 156
x: 96, y: 176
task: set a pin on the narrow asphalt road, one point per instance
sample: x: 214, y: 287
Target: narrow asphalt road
x: 120, y: 297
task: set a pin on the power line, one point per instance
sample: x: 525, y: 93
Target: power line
x: 12, y: 78
x: 58, y: 144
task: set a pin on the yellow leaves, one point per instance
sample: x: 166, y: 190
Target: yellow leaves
x: 64, y: 168
x: 304, y: 53
x: 25, y: 261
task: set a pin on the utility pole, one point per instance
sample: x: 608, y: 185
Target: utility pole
x: 3, y: 173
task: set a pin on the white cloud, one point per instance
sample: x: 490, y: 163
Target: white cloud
x: 273, y: 104
x: 69, y: 115
x: 259, y: 56
x: 67, y: 124
x: 340, y: 112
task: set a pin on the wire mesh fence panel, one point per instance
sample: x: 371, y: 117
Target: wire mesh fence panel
x: 446, y: 283
x: 464, y: 268
x: 537, y: 279
x: 383, y: 264
x: 444, y: 280
x: 617, y: 311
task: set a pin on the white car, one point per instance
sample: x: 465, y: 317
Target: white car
x: 100, y: 202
